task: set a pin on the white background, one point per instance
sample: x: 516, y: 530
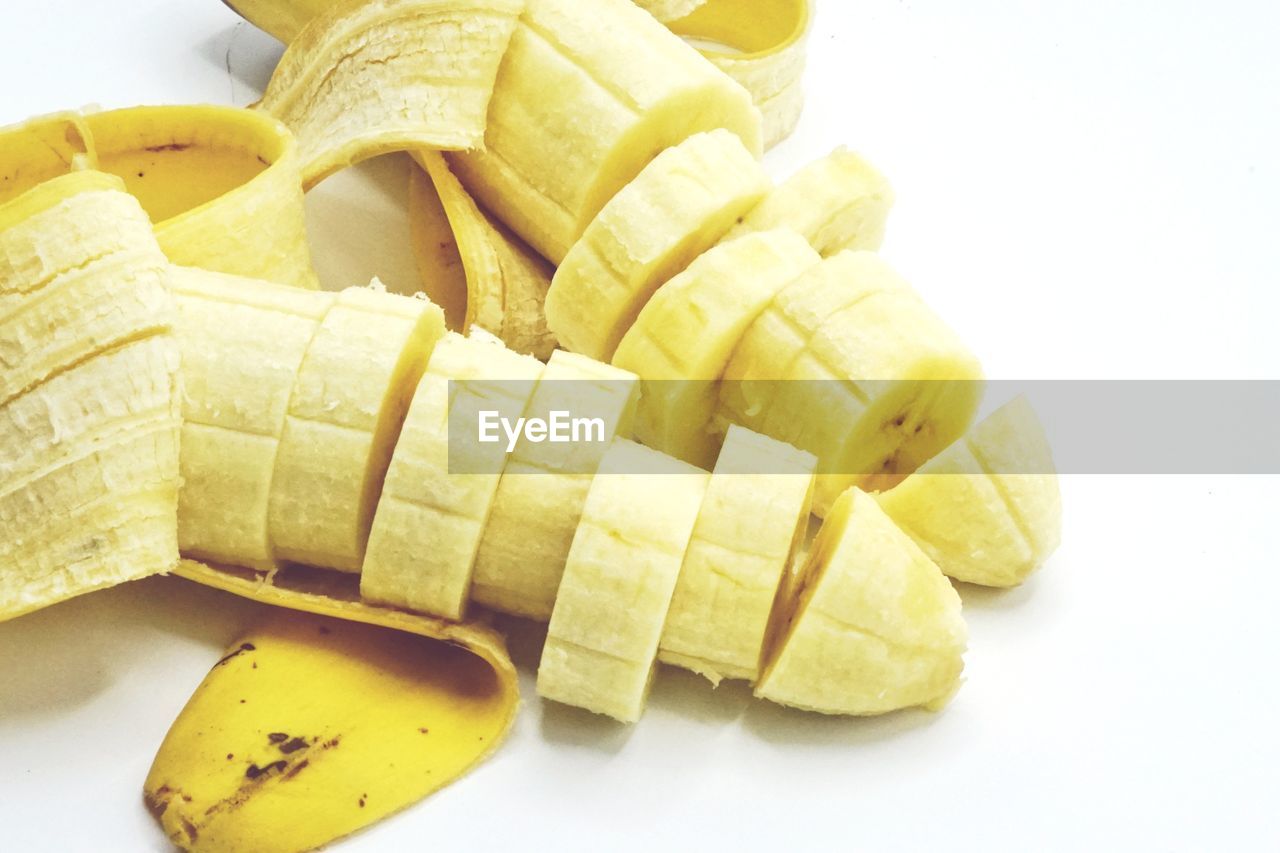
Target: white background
x: 1085, y: 190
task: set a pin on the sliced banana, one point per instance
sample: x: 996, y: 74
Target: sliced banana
x: 678, y: 205
x: 749, y: 530
x: 618, y: 581
x: 427, y: 529
x: 544, y: 486
x: 869, y: 625
x: 349, y: 400
x: 682, y: 341
x: 987, y: 509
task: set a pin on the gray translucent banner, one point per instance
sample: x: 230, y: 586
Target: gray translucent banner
x: 1092, y: 426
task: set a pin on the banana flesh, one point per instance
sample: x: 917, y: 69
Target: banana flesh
x: 669, y: 10
x: 762, y: 48
x: 370, y: 77
x: 428, y: 524
x: 987, y: 509
x: 540, y: 497
x: 682, y: 341
x: 751, y: 525
x: 602, y: 640
x: 348, y: 403
x: 868, y: 625
x: 680, y: 204
x: 832, y: 334
x: 837, y: 202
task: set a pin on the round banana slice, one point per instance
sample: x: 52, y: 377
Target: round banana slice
x: 544, y: 486
x: 440, y: 487
x: 618, y: 582
x: 837, y: 202
x: 586, y: 96
x: 751, y: 525
x: 679, y: 205
x: 347, y: 405
x: 243, y: 342
x: 370, y: 78
x: 682, y: 340
x: 987, y: 509
x: 222, y: 186
x: 869, y: 625
x: 874, y: 383
x: 762, y: 47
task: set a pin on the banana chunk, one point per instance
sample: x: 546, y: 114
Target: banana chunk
x: 678, y: 205
x: 243, y: 343
x: 869, y: 625
x: 544, y: 487
x: 875, y: 382
x: 369, y: 78
x: 837, y: 202
x: 682, y: 341
x: 427, y: 529
x: 349, y: 400
x: 751, y: 525
x: 987, y: 509
x: 617, y: 585
x: 587, y: 94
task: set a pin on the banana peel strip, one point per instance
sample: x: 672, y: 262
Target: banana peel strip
x: 40, y: 149
x: 370, y: 77
x: 763, y: 50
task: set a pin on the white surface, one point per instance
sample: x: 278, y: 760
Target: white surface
x: 1086, y: 190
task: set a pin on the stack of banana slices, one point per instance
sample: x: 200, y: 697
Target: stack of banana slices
x: 596, y: 235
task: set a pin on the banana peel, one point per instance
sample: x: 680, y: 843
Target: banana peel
x: 325, y: 718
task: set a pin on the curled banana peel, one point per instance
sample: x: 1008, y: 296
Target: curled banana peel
x: 760, y: 44
x: 40, y: 149
x: 331, y: 714
x: 471, y: 265
x: 89, y: 413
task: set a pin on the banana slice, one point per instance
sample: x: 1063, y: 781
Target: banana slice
x: 987, y: 509
x: 751, y: 525
x: 347, y: 405
x: 869, y: 625
x: 370, y: 77
x: 422, y: 550
x: 310, y: 727
x: 587, y: 94
x: 682, y: 340
x: 678, y: 205
x: 618, y: 581
x: 221, y: 184
x: 472, y: 266
x: 544, y: 486
x: 763, y: 49
x: 837, y: 202
x: 40, y: 149
x: 875, y: 382
x: 243, y: 342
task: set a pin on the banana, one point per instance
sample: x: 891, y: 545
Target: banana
x: 669, y: 10
x: 987, y: 509
x: 751, y: 525
x: 868, y: 625
x: 587, y: 94
x: 348, y: 402
x: 422, y: 548
x: 876, y: 383
x: 243, y: 343
x: 42, y: 148
x: 472, y: 266
x: 761, y: 47
x: 369, y: 77
x: 618, y: 581
x: 678, y: 205
x: 311, y: 728
x: 540, y: 497
x: 222, y: 186
x: 682, y: 341
x: 837, y: 202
